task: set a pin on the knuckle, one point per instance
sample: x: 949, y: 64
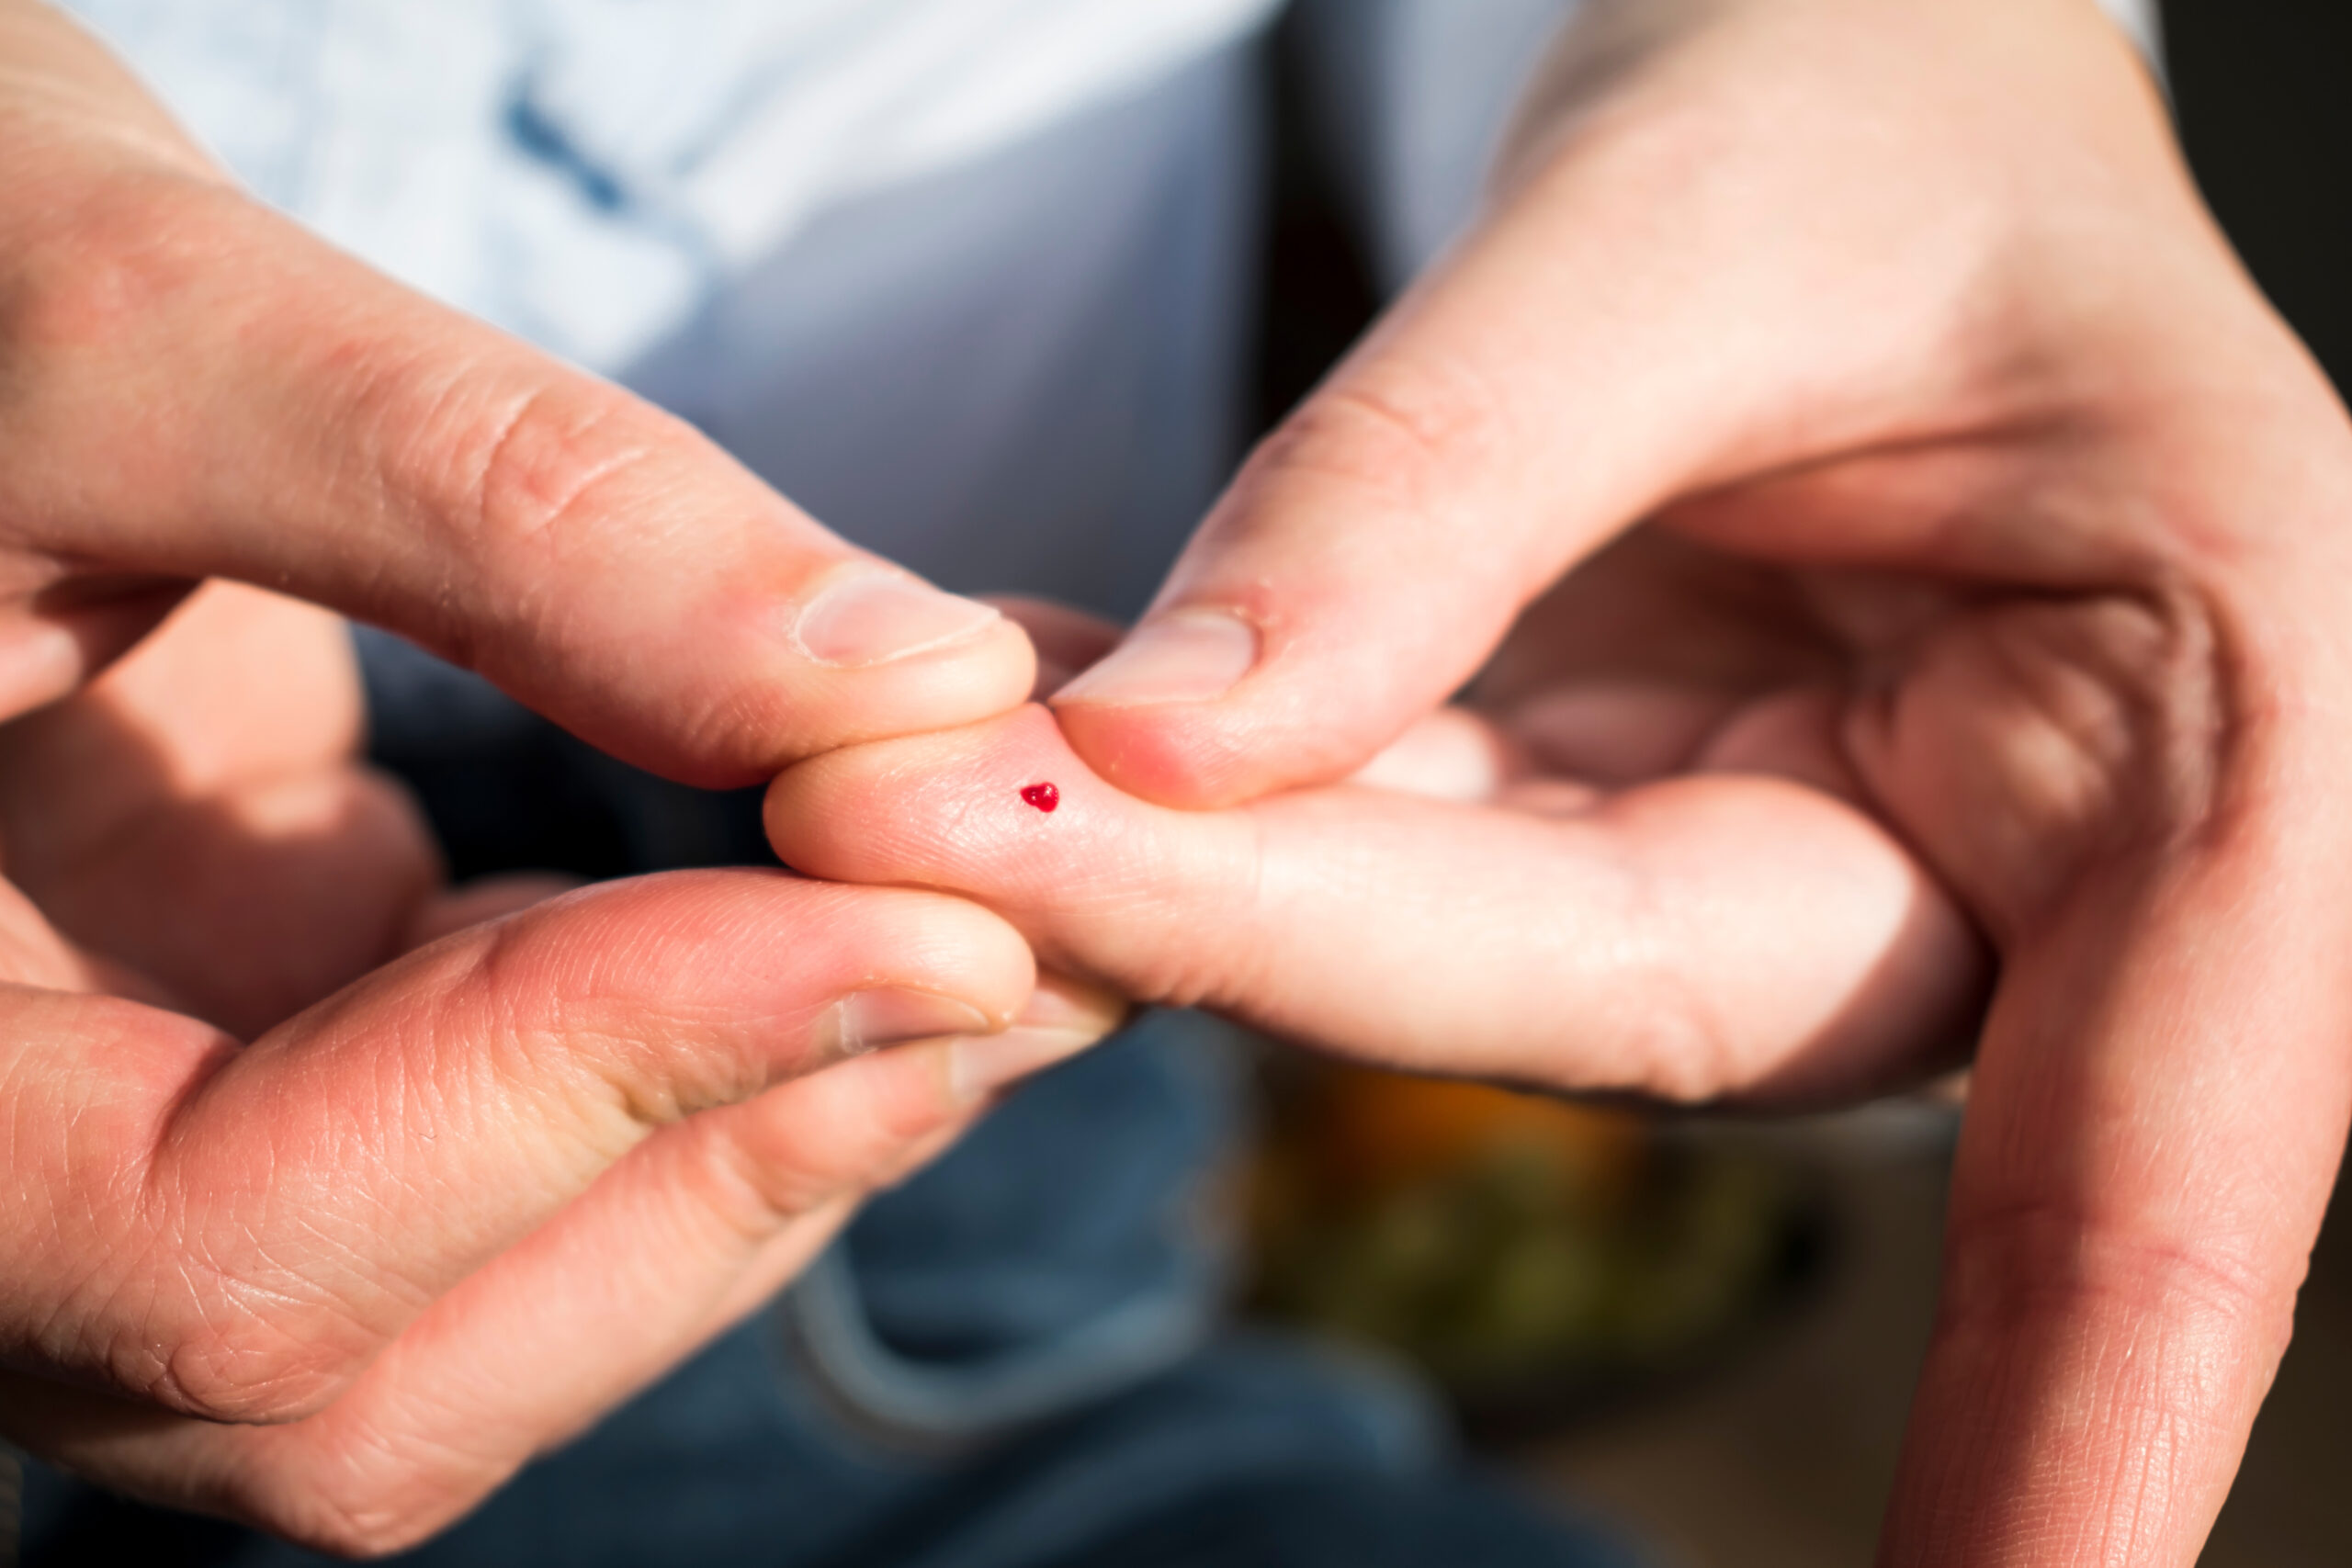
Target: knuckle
x: 251, y: 1370
x: 1667, y: 1021
x: 541, y: 460
x: 224, y: 1337
x: 382, y: 1523
x: 1395, y: 437
x: 159, y: 1285
x: 1678, y: 1048
x: 757, y: 1191
x: 506, y: 466
x: 2014, y: 1269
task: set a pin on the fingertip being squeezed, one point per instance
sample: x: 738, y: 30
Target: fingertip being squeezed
x: 1005, y: 813
x: 990, y: 807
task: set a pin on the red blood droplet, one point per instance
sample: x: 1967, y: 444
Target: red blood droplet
x: 1044, y: 796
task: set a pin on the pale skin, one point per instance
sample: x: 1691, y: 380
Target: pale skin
x: 1978, y: 640
x: 336, y: 1194
x: 1907, y: 561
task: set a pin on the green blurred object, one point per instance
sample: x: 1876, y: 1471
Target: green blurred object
x: 1534, y: 1257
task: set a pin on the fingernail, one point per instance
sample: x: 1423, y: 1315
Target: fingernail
x: 981, y: 1067
x: 867, y: 1020
x: 873, y: 617
x: 1185, y: 656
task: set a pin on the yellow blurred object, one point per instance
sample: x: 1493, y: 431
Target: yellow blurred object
x: 1379, y: 1129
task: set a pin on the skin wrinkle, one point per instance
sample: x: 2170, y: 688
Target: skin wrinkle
x: 1264, y: 907
x: 405, y: 1294
x: 542, y: 463
x: 754, y: 1199
x: 354, y: 1520
x: 2005, y: 1263
x: 1696, y: 1062
x: 620, y: 1056
x: 227, y: 1302
x: 2153, y: 1481
x: 1236, y: 880
x: 2110, y: 768
x: 764, y: 1196
x: 545, y: 500
x: 1459, y: 422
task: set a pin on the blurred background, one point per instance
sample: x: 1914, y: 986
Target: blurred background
x: 1710, y: 1330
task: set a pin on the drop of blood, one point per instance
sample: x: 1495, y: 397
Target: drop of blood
x: 1044, y: 796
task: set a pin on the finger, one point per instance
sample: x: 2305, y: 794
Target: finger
x: 1620, y: 948
x: 1067, y: 640
x: 224, y: 844
x: 255, y: 902
x: 688, y: 1232
x: 194, y: 813
x: 55, y: 632
x: 1637, y: 321
x: 1451, y: 754
x: 1619, y: 732
x: 700, y: 1225
x: 237, y: 685
x: 348, y: 1168
x: 2153, y: 1128
x: 199, y: 389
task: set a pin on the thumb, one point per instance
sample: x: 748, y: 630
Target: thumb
x: 198, y: 388
x: 1638, y: 321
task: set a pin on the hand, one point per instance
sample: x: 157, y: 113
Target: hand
x: 1994, y: 544
x: 340, y: 1282
x: 191, y: 387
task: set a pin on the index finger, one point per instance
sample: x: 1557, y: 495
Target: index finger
x: 198, y: 388
x: 2157, y: 1113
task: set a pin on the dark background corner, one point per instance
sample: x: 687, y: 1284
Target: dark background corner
x: 2263, y: 91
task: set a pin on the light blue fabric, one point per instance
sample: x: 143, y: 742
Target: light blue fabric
x: 585, y: 172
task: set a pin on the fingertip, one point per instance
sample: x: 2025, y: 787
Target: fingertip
x: 1174, y: 755
x: 1453, y: 754
x: 1190, y: 731
x: 865, y: 617
x: 810, y: 700
x: 1070, y: 638
x: 1152, y: 715
x: 1062, y: 1001
x: 1194, y: 655
x: 950, y: 809
x: 1006, y: 814
x: 959, y: 948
